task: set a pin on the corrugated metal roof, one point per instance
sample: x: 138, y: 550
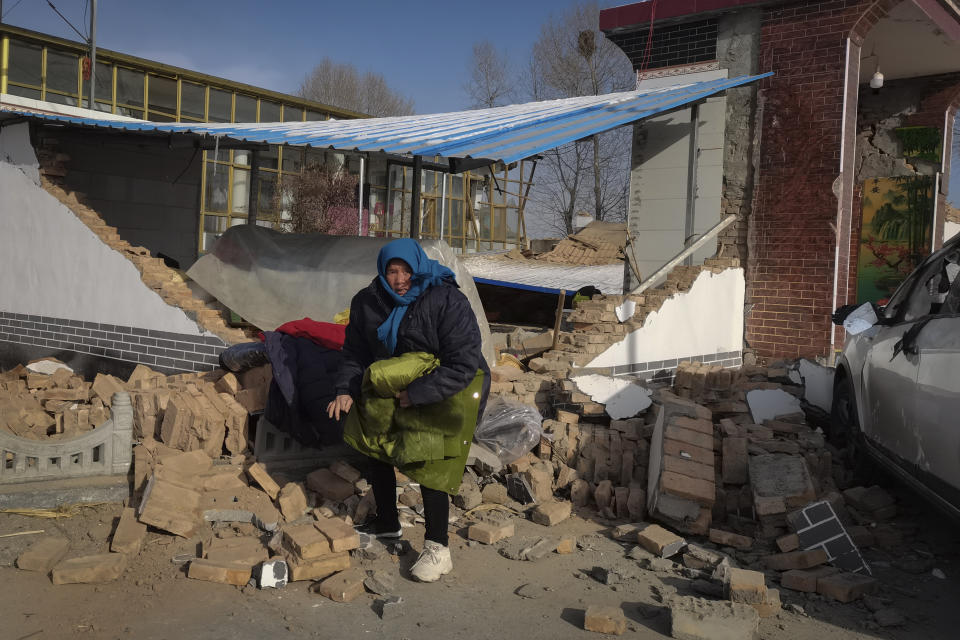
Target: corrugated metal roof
x: 507, y: 133
x: 534, y: 275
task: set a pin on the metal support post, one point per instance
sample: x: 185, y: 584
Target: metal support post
x: 415, y: 198
x: 252, y: 192
x: 690, y: 223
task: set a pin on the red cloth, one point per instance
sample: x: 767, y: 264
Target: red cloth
x: 325, y: 334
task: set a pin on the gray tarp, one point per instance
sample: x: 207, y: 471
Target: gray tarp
x: 270, y: 277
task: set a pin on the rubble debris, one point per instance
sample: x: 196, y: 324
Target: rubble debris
x: 129, y: 534
x: 489, y: 533
x: 818, y: 527
x: 551, y: 513
x: 380, y: 583
x: 694, y: 618
x: 621, y: 397
x: 223, y: 571
x: 272, y: 574
x: 342, y: 587
x: 772, y: 404
x: 845, y: 587
x: 659, y: 541
x: 603, y: 619
x: 103, y: 567
x: 748, y: 587
x: 389, y: 608
x: 44, y: 554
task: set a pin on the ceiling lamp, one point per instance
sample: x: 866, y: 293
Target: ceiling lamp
x: 877, y: 80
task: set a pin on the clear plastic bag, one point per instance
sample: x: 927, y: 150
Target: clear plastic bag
x: 509, y: 429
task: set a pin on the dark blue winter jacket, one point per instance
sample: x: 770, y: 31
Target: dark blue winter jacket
x: 440, y: 322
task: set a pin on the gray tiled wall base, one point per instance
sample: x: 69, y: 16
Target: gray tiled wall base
x: 163, y: 351
x: 664, y: 370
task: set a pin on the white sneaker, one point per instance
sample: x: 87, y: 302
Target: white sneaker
x: 434, y: 561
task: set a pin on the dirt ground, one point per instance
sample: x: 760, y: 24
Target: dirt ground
x: 155, y: 600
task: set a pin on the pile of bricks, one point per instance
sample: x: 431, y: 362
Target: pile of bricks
x: 190, y: 411
x: 60, y: 405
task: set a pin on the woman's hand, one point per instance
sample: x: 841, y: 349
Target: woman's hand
x: 342, y: 403
x: 404, y: 399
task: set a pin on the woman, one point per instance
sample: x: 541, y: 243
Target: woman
x: 413, y: 308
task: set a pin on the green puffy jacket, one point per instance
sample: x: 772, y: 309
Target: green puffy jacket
x: 428, y: 443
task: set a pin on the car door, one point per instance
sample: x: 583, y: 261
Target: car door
x: 890, y: 372
x: 937, y: 402
x: 888, y: 390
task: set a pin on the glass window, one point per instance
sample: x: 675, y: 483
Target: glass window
x: 58, y: 98
x: 130, y: 87
x: 246, y: 109
x: 316, y: 115
x: 269, y: 111
x: 220, y: 105
x: 240, y: 201
x: 192, y: 100
x: 25, y: 63
x: 23, y: 92
x: 268, y: 158
x: 213, y: 226
x: 62, y: 72
x: 163, y: 94
x: 104, y: 85
x: 292, y: 159
x: 268, y: 191
x: 241, y: 156
x: 218, y: 181
x: 292, y: 114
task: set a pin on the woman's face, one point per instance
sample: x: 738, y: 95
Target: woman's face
x: 398, y: 276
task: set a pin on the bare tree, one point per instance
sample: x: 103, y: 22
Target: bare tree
x: 491, y: 79
x: 342, y: 85
x: 571, y: 58
x: 319, y: 200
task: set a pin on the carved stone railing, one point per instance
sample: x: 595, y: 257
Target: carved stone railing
x: 104, y: 451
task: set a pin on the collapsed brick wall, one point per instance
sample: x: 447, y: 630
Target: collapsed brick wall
x: 170, y: 284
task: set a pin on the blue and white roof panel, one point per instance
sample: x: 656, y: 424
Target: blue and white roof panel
x: 506, y: 133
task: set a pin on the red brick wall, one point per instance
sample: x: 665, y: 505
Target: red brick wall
x: 792, y: 240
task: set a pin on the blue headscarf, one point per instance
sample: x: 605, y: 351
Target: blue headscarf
x: 426, y: 273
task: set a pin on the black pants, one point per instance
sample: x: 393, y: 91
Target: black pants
x: 436, y: 504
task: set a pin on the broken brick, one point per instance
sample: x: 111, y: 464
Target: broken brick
x: 93, y: 569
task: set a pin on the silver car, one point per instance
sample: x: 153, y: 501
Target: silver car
x: 897, y: 384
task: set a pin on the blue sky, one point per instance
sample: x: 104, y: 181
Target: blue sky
x: 423, y: 47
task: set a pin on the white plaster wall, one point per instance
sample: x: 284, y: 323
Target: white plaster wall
x: 950, y: 229
x: 51, y: 264
x: 15, y: 149
x: 706, y: 319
